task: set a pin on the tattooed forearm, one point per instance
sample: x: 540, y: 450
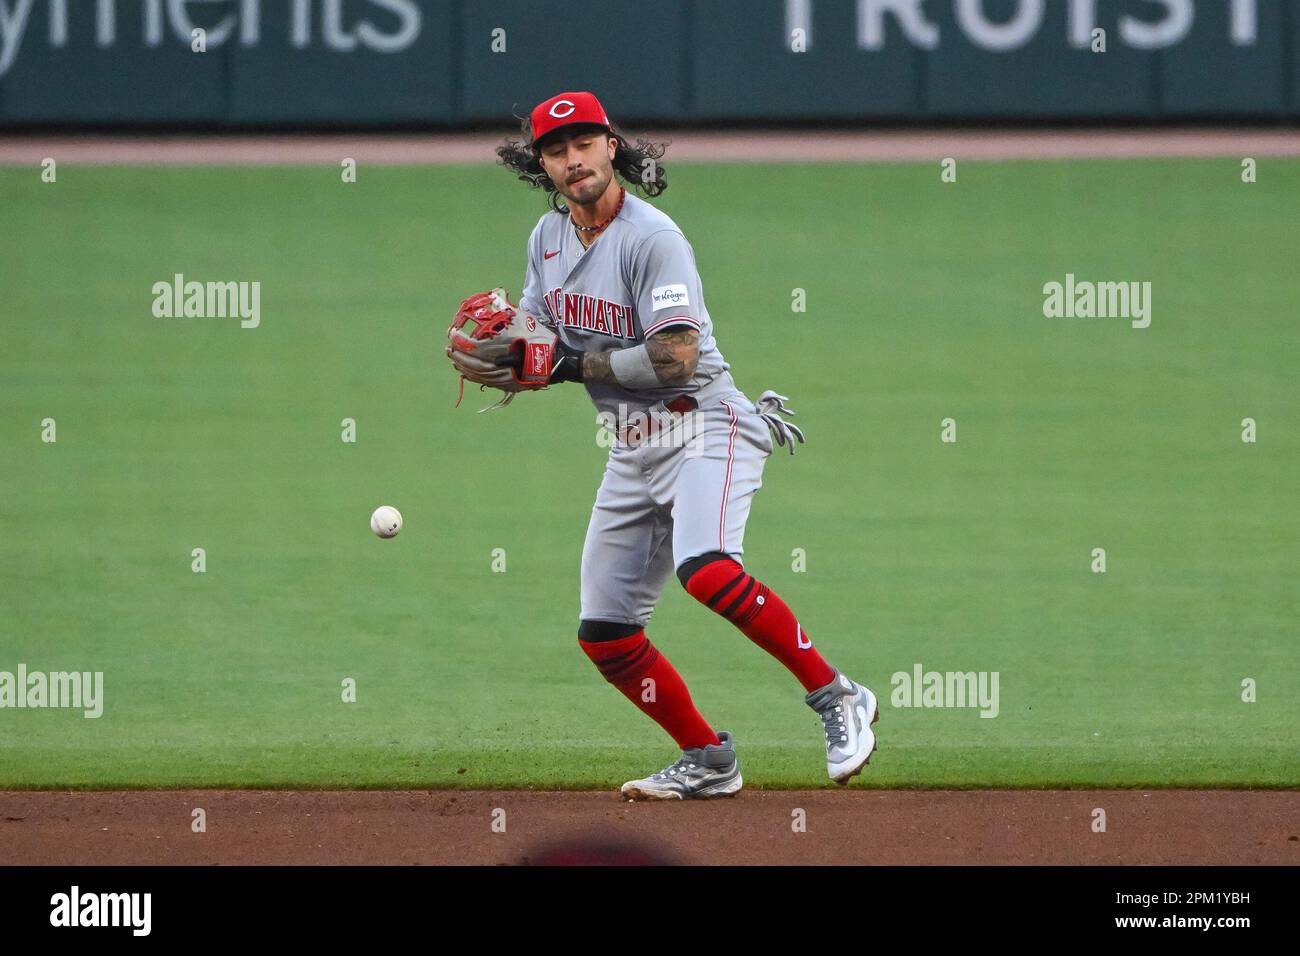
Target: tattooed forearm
x: 674, y: 354
x: 666, y: 358
x: 595, y: 369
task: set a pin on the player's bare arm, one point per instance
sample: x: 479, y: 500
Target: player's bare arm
x: 673, y: 354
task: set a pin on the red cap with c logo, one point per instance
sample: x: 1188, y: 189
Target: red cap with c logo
x: 566, y: 109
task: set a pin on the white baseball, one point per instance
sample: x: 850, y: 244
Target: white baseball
x: 386, y: 521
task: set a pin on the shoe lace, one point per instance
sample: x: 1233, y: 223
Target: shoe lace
x: 681, y: 765
x: 833, y: 723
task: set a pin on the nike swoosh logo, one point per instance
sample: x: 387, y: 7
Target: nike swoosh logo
x: 865, y: 723
x: 550, y: 255
x: 799, y: 638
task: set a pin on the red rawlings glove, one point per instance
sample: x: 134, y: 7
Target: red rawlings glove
x: 494, y: 344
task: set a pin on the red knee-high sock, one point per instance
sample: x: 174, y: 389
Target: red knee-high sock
x: 762, y: 616
x: 627, y: 663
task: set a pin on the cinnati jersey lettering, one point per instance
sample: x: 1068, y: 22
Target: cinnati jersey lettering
x: 575, y: 310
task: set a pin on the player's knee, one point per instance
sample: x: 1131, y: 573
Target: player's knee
x: 686, y: 570
x: 597, y: 632
x: 721, y: 583
x: 621, y: 652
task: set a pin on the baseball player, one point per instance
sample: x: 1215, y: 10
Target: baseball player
x: 612, y: 299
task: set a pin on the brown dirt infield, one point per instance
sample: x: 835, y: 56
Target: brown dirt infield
x: 860, y: 827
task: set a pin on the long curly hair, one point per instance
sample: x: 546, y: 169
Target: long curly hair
x: 639, y: 166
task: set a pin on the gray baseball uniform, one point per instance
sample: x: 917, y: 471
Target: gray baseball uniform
x: 695, y: 478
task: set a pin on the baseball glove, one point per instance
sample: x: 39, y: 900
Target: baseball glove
x: 493, y: 343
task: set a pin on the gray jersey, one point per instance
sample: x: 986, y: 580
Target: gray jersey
x: 659, y: 503
x: 636, y: 279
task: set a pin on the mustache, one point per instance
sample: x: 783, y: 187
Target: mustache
x: 578, y: 177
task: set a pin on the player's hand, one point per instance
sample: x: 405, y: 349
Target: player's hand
x: 568, y: 364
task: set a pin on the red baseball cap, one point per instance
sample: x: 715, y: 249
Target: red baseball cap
x: 567, y: 109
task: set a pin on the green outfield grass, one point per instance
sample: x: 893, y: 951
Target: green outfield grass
x: 923, y: 302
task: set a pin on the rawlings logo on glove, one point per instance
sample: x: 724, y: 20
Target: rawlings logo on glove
x: 494, y: 344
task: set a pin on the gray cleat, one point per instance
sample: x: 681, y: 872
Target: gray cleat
x: 699, y: 773
x: 847, y: 711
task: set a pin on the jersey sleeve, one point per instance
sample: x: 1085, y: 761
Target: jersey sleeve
x: 532, y: 299
x: 665, y: 283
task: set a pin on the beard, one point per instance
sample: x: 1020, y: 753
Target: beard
x: 587, y: 191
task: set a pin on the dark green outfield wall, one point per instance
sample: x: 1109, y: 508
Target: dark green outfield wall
x: 446, y: 62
